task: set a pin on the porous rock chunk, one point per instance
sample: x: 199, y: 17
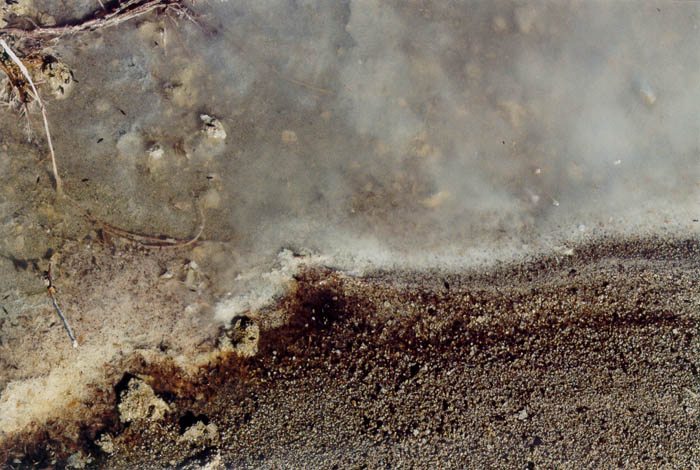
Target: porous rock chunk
x: 139, y: 402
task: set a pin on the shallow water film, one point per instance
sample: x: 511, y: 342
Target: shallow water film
x: 349, y: 234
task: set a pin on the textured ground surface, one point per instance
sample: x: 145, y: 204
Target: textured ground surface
x: 586, y: 361
x: 456, y: 233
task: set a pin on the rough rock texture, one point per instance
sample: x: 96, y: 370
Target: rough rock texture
x: 201, y: 434
x: 213, y: 128
x: 139, y: 402
x: 241, y: 337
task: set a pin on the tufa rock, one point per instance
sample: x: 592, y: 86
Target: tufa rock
x: 213, y: 128
x: 139, y: 402
x: 201, y: 434
x: 241, y: 337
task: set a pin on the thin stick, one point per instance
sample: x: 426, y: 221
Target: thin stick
x: 251, y: 57
x: 52, y: 294
x: 303, y: 84
x: 119, y: 15
x: 25, y: 72
x: 155, y: 242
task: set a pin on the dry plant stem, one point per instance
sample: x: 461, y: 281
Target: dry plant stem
x: 155, y: 242
x: 25, y: 72
x: 52, y: 294
x: 251, y: 57
x: 65, y: 322
x: 123, y: 12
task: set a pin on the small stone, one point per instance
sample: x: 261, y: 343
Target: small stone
x: 213, y: 128
x: 78, y: 460
x: 139, y: 402
x: 45, y: 19
x: 289, y: 137
x: 106, y: 443
x: 156, y: 152
x: 241, y: 337
x: 189, y: 278
x: 522, y: 415
x: 566, y: 251
x: 199, y: 433
x: 647, y: 93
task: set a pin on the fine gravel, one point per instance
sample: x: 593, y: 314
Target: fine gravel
x: 582, y: 361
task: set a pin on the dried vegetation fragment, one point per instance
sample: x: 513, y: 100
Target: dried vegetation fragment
x: 24, y: 27
x: 17, y: 91
x: 46, y: 70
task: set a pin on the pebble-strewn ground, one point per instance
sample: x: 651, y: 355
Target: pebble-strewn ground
x: 582, y: 361
x: 453, y: 233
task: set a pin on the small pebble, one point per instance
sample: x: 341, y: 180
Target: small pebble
x: 156, y: 152
x: 289, y: 137
x: 213, y: 128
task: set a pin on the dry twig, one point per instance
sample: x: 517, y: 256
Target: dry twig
x: 253, y: 59
x: 25, y: 72
x: 124, y: 12
x: 155, y: 242
x: 52, y: 294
